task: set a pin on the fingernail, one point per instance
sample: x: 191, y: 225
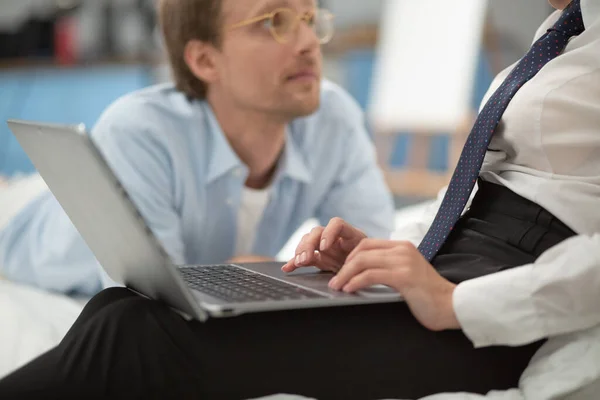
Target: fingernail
x: 333, y: 282
x: 323, y: 244
x: 297, y: 260
x: 303, y: 257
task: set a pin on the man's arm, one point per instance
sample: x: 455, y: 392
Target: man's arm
x: 360, y: 194
x: 40, y: 246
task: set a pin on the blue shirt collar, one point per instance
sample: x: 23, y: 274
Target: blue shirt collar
x: 224, y: 159
x: 292, y: 163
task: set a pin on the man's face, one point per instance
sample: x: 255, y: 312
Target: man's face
x: 255, y: 71
x: 559, y: 4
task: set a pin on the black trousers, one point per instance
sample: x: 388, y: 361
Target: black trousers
x: 125, y: 346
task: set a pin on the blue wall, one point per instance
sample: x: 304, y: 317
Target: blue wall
x: 70, y: 95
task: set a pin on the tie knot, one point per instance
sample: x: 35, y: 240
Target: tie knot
x: 571, y: 20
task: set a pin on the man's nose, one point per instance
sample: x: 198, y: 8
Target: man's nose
x: 307, y: 38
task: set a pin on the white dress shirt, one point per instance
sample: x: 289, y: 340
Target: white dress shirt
x: 547, y: 149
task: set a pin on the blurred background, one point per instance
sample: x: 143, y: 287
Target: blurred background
x: 64, y: 61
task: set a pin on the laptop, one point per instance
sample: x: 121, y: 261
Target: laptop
x: 99, y: 207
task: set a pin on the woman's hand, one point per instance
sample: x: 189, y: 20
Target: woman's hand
x: 401, y: 266
x: 361, y: 262
x: 326, y: 247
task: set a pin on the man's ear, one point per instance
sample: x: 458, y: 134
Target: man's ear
x: 199, y: 57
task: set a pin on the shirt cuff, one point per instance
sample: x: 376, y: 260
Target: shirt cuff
x: 498, y: 309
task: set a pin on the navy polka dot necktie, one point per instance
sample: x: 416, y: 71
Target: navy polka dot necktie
x: 469, y: 164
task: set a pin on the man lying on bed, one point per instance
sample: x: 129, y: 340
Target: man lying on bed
x: 226, y: 163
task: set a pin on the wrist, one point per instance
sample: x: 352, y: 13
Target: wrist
x: 450, y: 320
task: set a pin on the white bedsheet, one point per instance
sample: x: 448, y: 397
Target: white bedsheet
x: 32, y: 321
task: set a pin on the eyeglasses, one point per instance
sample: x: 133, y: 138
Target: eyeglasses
x: 283, y: 23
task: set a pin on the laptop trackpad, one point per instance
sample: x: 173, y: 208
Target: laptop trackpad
x: 314, y: 280
x: 320, y: 280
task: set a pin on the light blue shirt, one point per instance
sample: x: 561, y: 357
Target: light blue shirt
x: 174, y: 160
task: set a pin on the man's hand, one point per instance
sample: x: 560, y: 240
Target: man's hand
x: 250, y: 259
x: 401, y: 266
x: 326, y: 247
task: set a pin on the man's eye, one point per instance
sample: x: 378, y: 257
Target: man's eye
x: 280, y: 19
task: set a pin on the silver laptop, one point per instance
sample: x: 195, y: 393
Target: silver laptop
x: 100, y: 209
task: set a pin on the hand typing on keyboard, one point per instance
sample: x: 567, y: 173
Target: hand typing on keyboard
x: 326, y: 247
x: 361, y: 263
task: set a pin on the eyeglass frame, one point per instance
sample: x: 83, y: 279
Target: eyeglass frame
x: 299, y: 17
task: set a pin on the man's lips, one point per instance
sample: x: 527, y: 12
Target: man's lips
x: 303, y: 75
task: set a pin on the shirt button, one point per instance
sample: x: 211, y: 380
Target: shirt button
x: 229, y: 201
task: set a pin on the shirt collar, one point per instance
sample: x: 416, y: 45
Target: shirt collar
x: 590, y: 9
x: 292, y: 163
x: 224, y: 159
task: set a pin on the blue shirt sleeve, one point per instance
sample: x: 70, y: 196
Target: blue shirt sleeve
x: 42, y: 248
x: 359, y: 194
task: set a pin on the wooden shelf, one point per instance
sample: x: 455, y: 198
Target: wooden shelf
x: 45, y: 63
x: 357, y: 37
x: 415, y: 183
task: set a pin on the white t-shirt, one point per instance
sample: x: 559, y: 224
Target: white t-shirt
x: 252, y: 206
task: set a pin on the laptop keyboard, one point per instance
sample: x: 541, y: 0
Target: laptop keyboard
x: 234, y: 284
